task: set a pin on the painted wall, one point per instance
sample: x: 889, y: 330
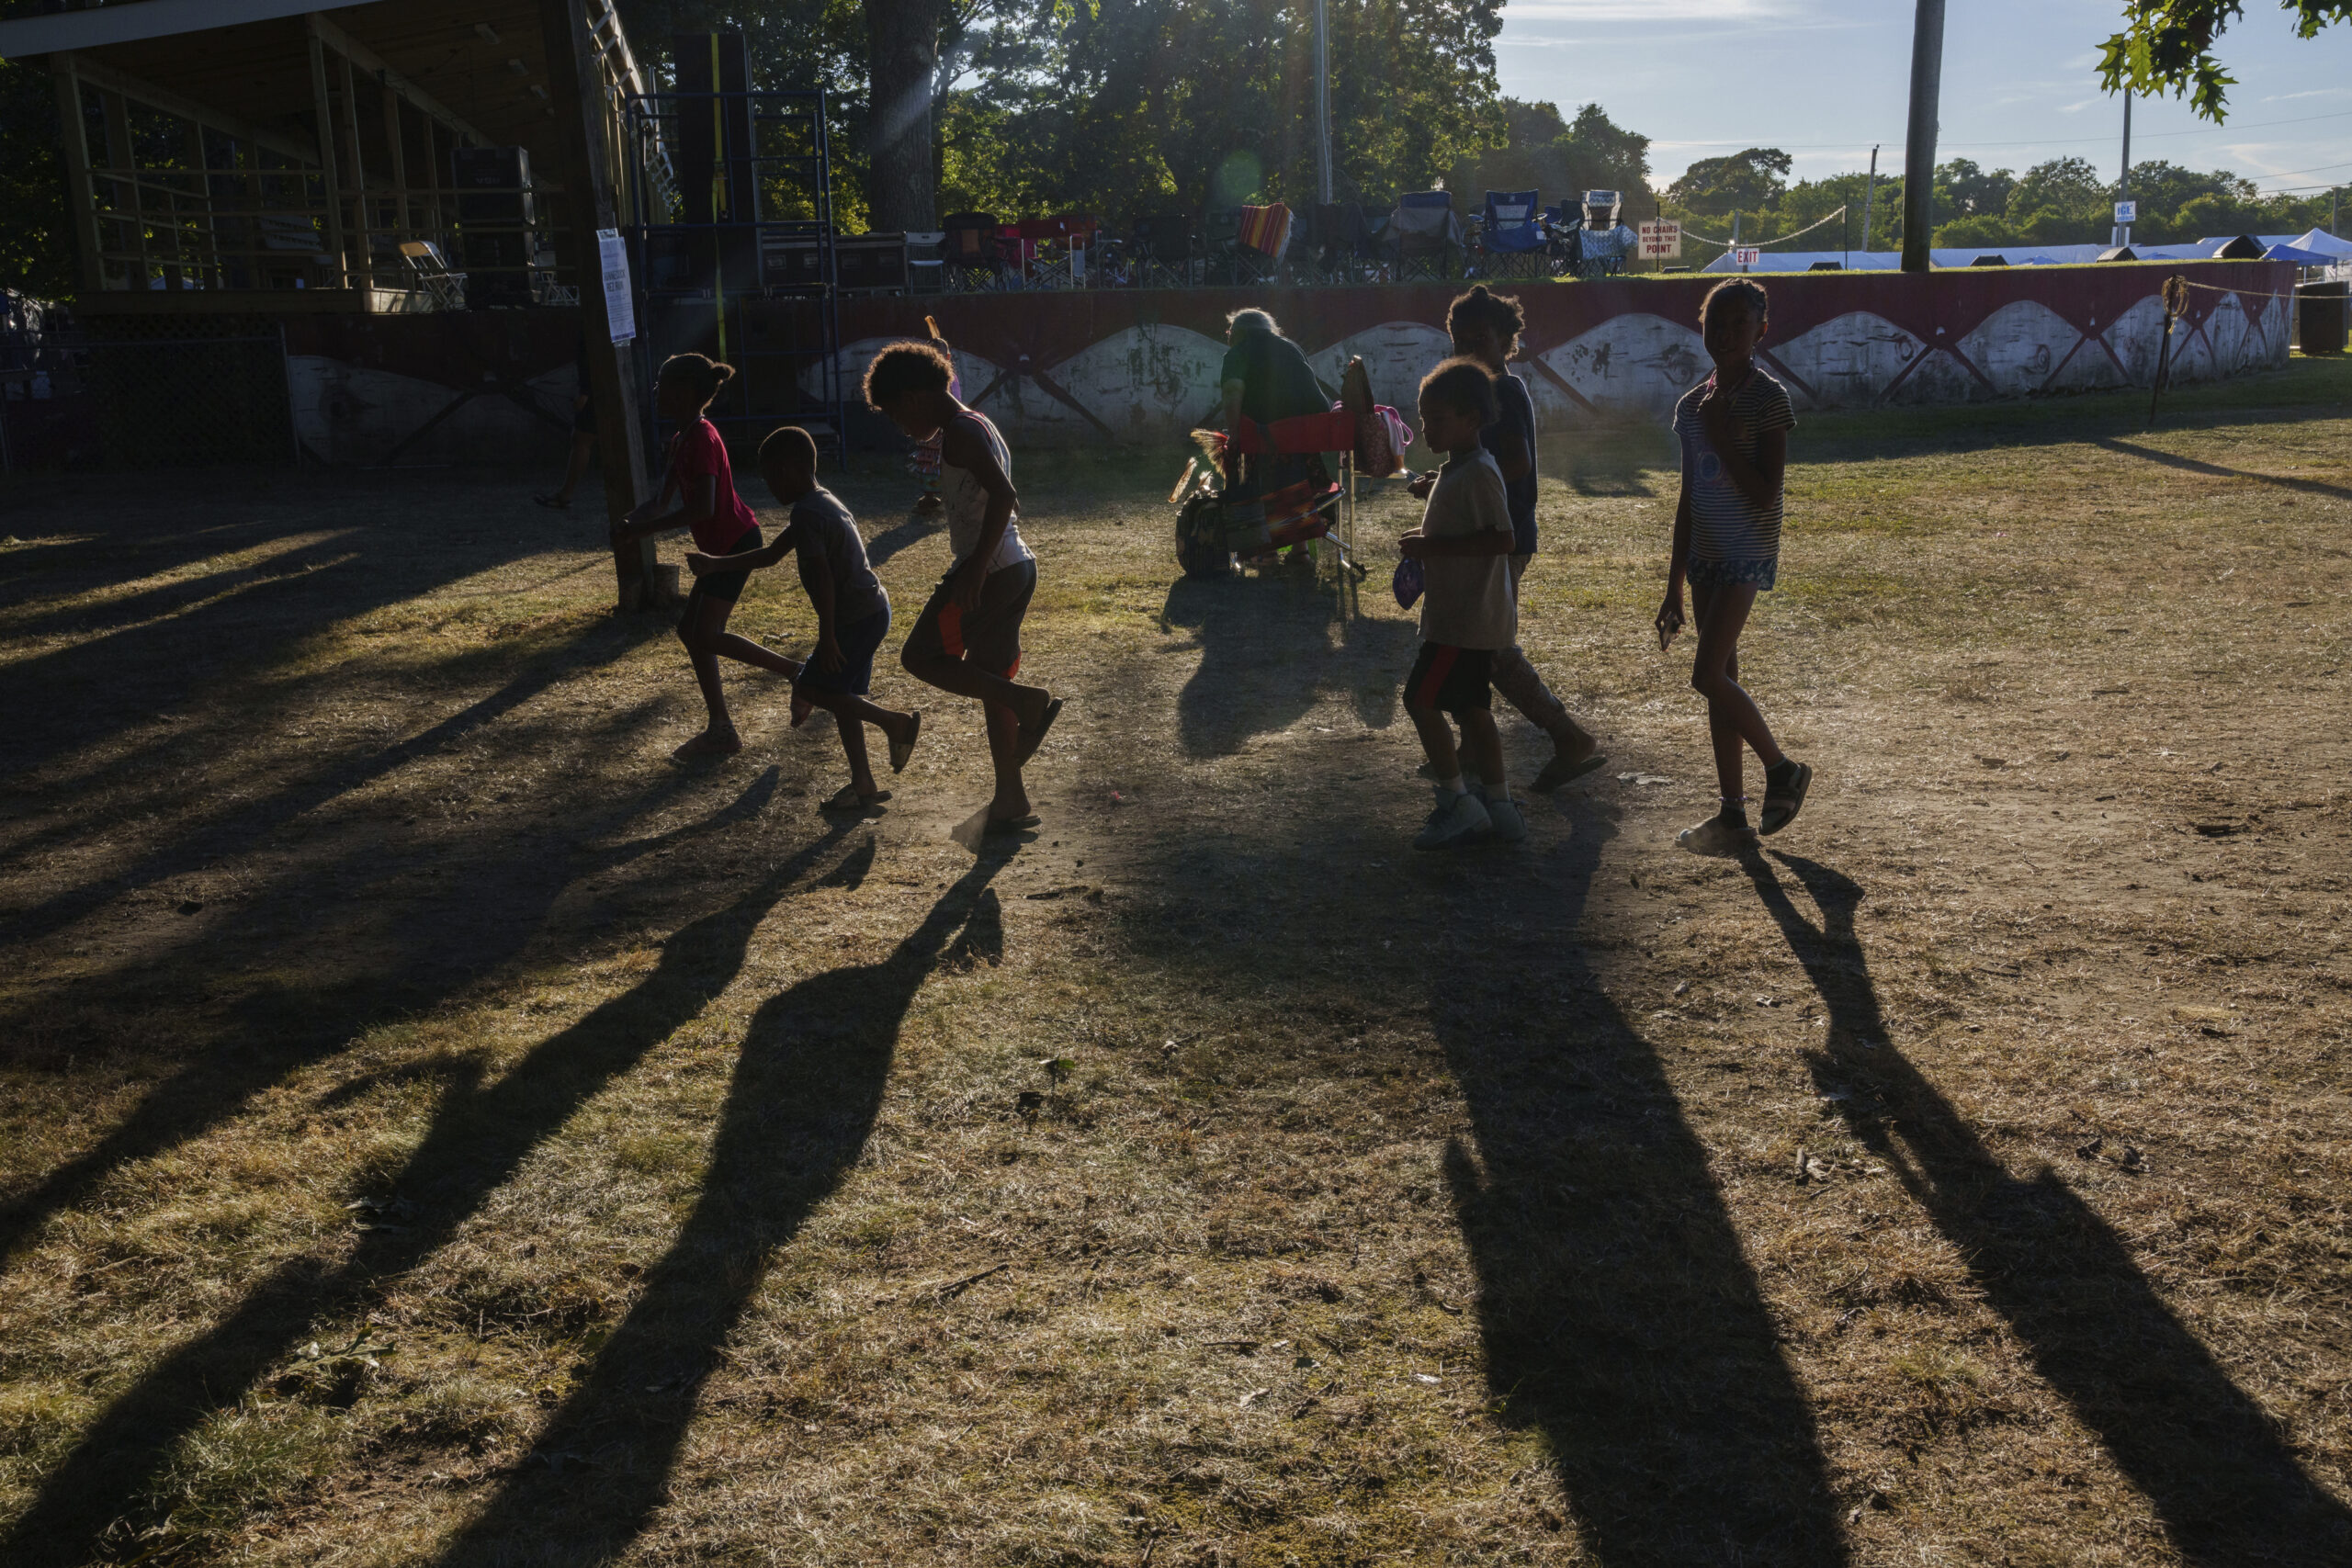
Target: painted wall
x: 1140, y: 366
x: 1143, y: 366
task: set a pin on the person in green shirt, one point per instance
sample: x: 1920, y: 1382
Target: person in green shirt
x: 1266, y: 378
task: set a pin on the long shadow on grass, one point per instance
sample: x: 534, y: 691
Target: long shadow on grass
x: 807, y: 1087
x: 92, y: 687
x: 478, y: 1140
x: 2215, y: 470
x: 1619, y: 1312
x: 2205, y: 1454
x: 1268, y: 653
x: 501, y: 895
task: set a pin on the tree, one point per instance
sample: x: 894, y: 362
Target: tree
x: 1745, y: 182
x: 1560, y: 159
x: 2166, y: 46
x: 902, y: 55
x: 37, y: 244
x: 2055, y: 200
x: 1975, y: 193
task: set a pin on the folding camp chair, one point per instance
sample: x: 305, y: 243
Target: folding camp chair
x: 1057, y: 249
x: 975, y: 259
x: 447, y: 290
x: 1602, y: 241
x: 1164, y: 251
x: 1510, y: 240
x: 1258, y: 248
x: 1220, y: 241
x: 926, y: 261
x: 1424, y: 236
x: 1336, y: 247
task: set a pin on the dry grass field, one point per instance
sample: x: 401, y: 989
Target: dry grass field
x: 435, y: 1129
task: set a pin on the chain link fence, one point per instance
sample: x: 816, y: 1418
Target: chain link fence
x: 164, y: 402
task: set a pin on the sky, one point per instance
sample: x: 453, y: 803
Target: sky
x: 1824, y: 79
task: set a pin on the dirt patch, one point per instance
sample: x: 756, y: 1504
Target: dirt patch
x: 434, y: 1128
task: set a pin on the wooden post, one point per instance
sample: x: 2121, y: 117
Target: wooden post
x: 402, y: 219
x: 576, y: 89
x: 80, y: 193
x: 324, y: 108
x: 363, y: 221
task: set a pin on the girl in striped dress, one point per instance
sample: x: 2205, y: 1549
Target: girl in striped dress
x: 1734, y: 428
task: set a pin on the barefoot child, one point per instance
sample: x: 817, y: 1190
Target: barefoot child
x: 1463, y: 545
x: 853, y: 612
x: 704, y: 483
x: 967, y: 639
x: 1734, y: 432
x: 1485, y: 327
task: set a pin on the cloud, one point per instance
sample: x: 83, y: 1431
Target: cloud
x: 2315, y: 93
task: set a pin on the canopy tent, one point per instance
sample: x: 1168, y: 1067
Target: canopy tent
x: 2321, y: 243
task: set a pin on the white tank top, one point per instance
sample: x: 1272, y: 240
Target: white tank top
x: 968, y: 502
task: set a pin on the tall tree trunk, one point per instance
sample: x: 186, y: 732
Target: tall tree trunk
x: 902, y: 38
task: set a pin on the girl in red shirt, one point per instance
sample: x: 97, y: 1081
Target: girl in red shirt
x: 704, y: 483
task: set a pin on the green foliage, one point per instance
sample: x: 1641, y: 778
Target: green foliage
x: 1743, y: 182
x: 2166, y: 46
x: 37, y: 247
x: 1559, y: 159
x: 1974, y: 192
x: 1133, y: 105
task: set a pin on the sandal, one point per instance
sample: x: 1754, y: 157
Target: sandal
x: 1029, y: 744
x: 1782, y: 805
x: 1013, y: 824
x: 848, y: 799
x: 553, y: 501
x: 901, y: 750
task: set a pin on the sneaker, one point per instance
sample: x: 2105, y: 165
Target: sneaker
x: 1457, y: 819
x: 1716, y: 837
x: 1509, y: 825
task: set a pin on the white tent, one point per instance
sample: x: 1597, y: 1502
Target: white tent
x: 2322, y: 242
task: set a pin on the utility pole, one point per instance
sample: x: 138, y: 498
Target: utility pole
x: 2123, y: 187
x: 1919, y: 145
x: 1869, y: 192
x: 1323, y: 101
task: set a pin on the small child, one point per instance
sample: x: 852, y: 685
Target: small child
x: 924, y: 459
x: 1734, y: 432
x: 1468, y: 617
x: 1485, y: 327
x: 967, y: 639
x: 853, y: 612
x: 704, y: 481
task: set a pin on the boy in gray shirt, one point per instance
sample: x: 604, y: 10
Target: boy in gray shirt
x: 852, y: 612
x: 1468, y: 617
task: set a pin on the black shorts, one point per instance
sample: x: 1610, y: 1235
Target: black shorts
x: 858, y: 641
x: 723, y: 585
x: 988, y: 636
x: 1451, y: 679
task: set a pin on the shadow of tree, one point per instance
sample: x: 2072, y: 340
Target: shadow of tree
x: 1269, y: 653
x: 425, y: 951
x: 478, y: 1139
x: 2211, y: 1460
x: 1620, y: 1315
x: 807, y: 1085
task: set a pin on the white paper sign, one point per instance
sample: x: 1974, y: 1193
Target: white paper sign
x: 1746, y: 255
x: 620, y: 307
x: 1661, y: 239
x: 2127, y: 213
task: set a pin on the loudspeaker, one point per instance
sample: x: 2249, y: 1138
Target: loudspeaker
x: 871, y: 264
x: 493, y: 185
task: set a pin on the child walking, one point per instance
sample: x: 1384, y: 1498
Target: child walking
x: 853, y: 612
x: 1485, y: 327
x: 703, y: 480
x: 1734, y: 428
x: 967, y: 639
x: 1467, y: 617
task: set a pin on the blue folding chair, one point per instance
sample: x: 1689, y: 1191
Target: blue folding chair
x: 1512, y: 242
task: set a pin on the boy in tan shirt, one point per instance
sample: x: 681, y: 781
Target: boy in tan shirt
x: 1467, y: 617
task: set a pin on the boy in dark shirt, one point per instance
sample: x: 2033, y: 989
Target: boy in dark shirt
x: 853, y: 612
x: 1486, y: 328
